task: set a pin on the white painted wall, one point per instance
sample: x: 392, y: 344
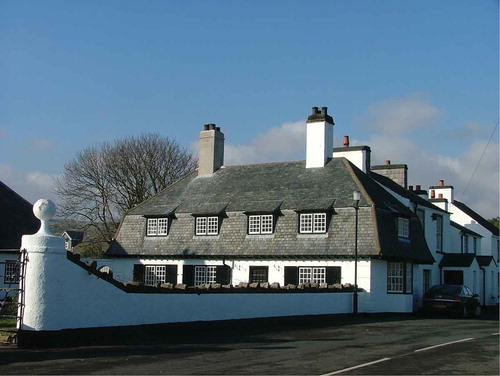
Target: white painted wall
x: 123, y: 268
x: 356, y: 157
x: 61, y: 295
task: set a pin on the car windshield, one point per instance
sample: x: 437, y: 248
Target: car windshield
x: 446, y: 289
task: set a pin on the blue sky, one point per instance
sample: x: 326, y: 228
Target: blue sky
x: 416, y: 80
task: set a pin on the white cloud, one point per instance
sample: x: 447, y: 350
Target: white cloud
x: 428, y: 167
x: 403, y: 115
x: 281, y: 143
x: 41, y: 143
x: 31, y: 186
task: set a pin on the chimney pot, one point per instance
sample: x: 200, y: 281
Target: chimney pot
x: 388, y: 162
x: 315, y: 111
x: 346, y: 141
x: 217, y: 129
x: 441, y: 183
x: 418, y: 187
x: 410, y: 187
x: 433, y: 193
x: 324, y: 110
x: 206, y: 126
x: 440, y: 195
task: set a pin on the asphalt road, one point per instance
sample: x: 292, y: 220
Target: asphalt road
x: 374, y: 344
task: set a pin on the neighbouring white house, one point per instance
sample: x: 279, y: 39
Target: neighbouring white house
x: 476, y: 236
x: 16, y: 220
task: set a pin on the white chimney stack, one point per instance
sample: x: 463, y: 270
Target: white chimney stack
x: 319, y: 145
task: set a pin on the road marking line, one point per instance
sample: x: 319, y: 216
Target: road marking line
x: 444, y: 344
x: 495, y: 334
x: 356, y: 367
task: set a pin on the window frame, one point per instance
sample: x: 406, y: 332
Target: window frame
x: 316, y: 274
x: 258, y: 268
x: 316, y: 220
x: 12, y: 272
x: 204, y: 275
x: 399, y: 277
x: 403, y: 227
x: 153, y: 230
x: 255, y: 224
x: 204, y: 225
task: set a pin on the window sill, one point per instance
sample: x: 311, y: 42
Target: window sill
x: 312, y: 235
x: 206, y: 237
x: 259, y: 236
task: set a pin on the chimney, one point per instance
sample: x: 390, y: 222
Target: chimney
x: 211, y: 153
x: 346, y: 141
x: 445, y: 191
x: 319, y: 144
x: 418, y: 187
x: 410, y: 188
x: 396, y: 172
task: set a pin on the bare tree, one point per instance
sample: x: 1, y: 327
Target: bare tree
x: 102, y: 182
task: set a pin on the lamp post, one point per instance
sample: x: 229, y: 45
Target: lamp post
x: 356, y: 197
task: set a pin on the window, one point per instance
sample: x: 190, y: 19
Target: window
x: 403, y: 228
x: 207, y: 226
x: 204, y: 275
x: 310, y: 275
x: 258, y: 274
x: 439, y: 233
x: 421, y: 218
x: 399, y: 278
x: 329, y: 274
x: 465, y: 244
x: 312, y: 223
x: 154, y: 274
x: 11, y: 274
x: 453, y: 277
x: 260, y: 224
x: 427, y: 280
x: 157, y: 227
x: 474, y: 245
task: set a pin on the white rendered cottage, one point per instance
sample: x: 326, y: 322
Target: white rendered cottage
x: 290, y: 223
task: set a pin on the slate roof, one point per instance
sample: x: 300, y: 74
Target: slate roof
x: 17, y: 219
x: 457, y: 259
x: 465, y: 230
x: 484, y: 260
x: 74, y: 234
x: 471, y: 213
x: 393, y: 186
x: 284, y: 187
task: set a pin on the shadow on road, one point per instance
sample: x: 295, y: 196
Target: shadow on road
x: 198, y: 337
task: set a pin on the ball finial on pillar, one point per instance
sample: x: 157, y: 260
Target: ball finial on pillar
x: 44, y: 209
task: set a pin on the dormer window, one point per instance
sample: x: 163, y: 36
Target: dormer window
x: 207, y: 226
x: 403, y: 228
x: 312, y: 223
x: 157, y: 227
x: 260, y: 224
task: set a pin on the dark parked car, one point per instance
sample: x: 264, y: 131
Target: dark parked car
x: 456, y: 299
